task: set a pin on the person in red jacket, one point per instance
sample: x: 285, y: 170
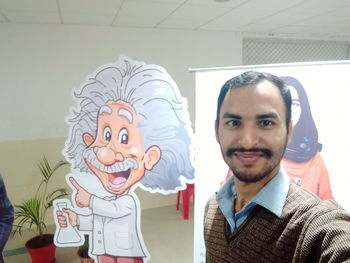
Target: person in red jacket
x: 302, y: 159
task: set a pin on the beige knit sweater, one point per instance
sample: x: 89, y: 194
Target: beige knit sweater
x: 309, y: 230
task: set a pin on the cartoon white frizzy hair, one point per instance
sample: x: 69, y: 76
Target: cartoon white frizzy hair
x: 162, y: 114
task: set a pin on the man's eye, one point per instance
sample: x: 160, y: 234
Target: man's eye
x: 234, y: 123
x: 265, y: 123
x: 123, y: 136
x: 107, y: 133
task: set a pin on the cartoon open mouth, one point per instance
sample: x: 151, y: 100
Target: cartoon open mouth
x: 118, y: 179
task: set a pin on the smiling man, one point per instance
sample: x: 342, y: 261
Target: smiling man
x: 258, y: 215
x: 130, y: 128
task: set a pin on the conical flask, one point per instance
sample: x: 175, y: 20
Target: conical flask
x: 67, y: 234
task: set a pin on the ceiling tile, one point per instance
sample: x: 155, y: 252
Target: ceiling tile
x: 318, y: 30
x: 137, y: 21
x: 29, y: 5
x: 307, y: 30
x: 147, y: 9
x: 90, y: 6
x: 283, y: 18
x: 259, y: 28
x: 191, y: 11
x: 270, y: 5
x: 213, y: 3
x: 187, y: 24
x: 178, y: 2
x: 341, y: 12
x: 289, y: 29
x: 323, y: 17
x: 234, y: 20
x: 87, y: 19
x: 325, y: 20
x: 318, y: 6
x: 32, y: 17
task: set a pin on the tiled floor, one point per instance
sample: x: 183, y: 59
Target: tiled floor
x: 167, y: 236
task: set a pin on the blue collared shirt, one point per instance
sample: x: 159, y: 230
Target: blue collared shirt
x: 272, y: 197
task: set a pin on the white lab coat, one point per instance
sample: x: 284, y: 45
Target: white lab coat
x: 114, y: 226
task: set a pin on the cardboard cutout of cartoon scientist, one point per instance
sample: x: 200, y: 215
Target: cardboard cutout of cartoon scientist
x: 130, y: 128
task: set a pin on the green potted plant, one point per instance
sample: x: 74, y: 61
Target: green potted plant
x: 83, y: 251
x: 31, y: 215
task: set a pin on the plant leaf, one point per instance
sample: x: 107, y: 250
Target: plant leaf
x: 58, y: 193
x: 31, y: 213
x: 28, y: 214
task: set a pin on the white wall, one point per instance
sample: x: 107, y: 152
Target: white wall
x: 40, y: 64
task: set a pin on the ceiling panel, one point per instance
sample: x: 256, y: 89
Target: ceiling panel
x: 188, y: 24
x: 271, y: 5
x: 198, y: 12
x: 227, y: 4
x: 29, y: 5
x: 259, y: 28
x: 178, y: 2
x: 137, y: 21
x: 32, y: 17
x: 90, y: 6
x: 341, y: 12
x: 319, y: 30
x: 147, y: 8
x: 323, y: 17
x: 319, y: 6
x: 87, y: 19
x: 289, y: 29
x: 283, y: 18
x: 325, y: 20
x: 311, y: 30
x: 234, y: 20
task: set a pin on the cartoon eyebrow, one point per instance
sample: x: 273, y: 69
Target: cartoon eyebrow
x: 127, y: 114
x: 105, y: 109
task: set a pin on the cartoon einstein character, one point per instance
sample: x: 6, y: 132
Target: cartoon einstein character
x: 130, y: 128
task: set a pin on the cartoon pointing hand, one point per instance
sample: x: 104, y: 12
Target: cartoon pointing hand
x: 82, y: 197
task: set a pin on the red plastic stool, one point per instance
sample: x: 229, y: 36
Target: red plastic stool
x: 229, y: 174
x: 186, y: 196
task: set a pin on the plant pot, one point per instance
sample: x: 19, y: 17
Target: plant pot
x: 83, y: 254
x: 41, y: 249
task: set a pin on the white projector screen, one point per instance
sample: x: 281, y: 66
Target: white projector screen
x: 328, y: 89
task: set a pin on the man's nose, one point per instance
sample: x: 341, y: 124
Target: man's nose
x: 108, y: 156
x: 249, y: 138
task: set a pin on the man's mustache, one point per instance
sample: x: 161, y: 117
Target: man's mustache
x: 232, y: 151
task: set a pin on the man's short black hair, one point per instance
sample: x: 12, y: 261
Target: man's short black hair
x: 252, y: 78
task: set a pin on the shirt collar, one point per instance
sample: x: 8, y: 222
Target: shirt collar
x: 272, y: 196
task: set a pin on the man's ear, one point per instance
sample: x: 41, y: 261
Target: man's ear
x: 290, y: 131
x: 152, y: 157
x: 217, y: 130
x: 88, y: 139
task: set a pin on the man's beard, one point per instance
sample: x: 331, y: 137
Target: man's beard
x: 275, y: 158
x: 253, y: 178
